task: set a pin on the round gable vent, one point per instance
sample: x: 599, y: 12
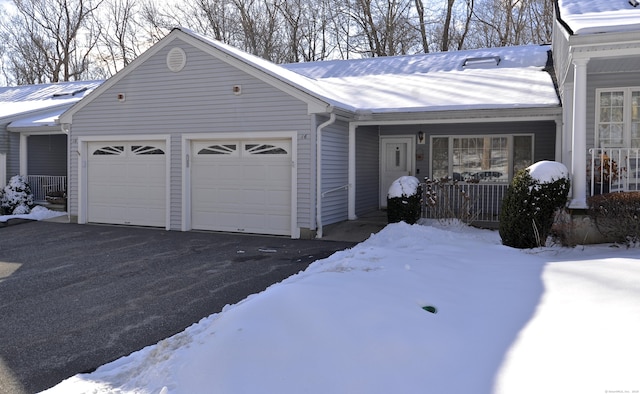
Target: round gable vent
x: 176, y: 59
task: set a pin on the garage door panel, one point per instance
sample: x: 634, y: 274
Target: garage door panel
x: 245, y: 190
x: 127, y: 183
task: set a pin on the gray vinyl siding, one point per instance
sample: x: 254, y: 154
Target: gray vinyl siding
x: 47, y: 155
x: 13, y: 154
x: 604, y: 81
x: 335, y: 173
x: 544, y: 136
x: 198, y: 99
x: 367, y: 169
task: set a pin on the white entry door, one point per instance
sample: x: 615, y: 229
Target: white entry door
x: 396, y: 160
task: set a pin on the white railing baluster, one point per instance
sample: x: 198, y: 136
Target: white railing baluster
x: 41, y: 185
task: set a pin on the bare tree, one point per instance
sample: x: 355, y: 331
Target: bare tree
x: 447, y: 25
x: 118, y: 40
x: 24, y: 59
x: 53, y: 28
x: 384, y: 27
x: 510, y: 22
x: 422, y: 25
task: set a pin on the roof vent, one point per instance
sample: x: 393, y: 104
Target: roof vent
x: 481, y: 62
x: 176, y: 59
x: 634, y: 3
x: 65, y: 94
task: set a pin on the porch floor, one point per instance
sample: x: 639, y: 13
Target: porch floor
x: 356, y: 230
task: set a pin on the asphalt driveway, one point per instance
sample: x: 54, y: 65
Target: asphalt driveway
x: 74, y: 297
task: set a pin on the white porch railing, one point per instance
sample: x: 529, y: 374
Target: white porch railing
x: 475, y: 202
x: 613, y: 170
x: 42, y: 185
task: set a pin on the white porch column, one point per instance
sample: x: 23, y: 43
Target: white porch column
x: 579, y: 136
x: 23, y: 154
x: 351, y: 210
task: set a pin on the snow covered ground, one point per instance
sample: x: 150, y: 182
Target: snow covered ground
x: 37, y: 213
x: 547, y: 320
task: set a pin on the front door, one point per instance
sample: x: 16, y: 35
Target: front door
x: 396, y: 155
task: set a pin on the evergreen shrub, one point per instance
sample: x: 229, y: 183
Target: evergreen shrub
x: 16, y: 198
x: 528, y: 210
x: 404, y: 201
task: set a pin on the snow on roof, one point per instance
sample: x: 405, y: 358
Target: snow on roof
x: 16, y: 100
x: 510, y: 77
x: 599, y: 16
x: 46, y: 118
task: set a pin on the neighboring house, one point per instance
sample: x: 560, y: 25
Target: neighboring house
x: 195, y: 134
x: 31, y: 142
x: 596, y: 46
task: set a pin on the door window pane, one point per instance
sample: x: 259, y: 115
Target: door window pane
x: 522, y: 152
x: 611, y: 119
x: 440, y: 157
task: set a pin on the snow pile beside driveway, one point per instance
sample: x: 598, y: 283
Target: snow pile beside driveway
x: 508, y: 321
x: 37, y: 213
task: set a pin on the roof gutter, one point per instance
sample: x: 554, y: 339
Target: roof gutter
x: 332, y: 119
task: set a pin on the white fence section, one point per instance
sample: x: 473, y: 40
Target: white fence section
x: 474, y: 202
x: 614, y: 170
x: 43, y: 185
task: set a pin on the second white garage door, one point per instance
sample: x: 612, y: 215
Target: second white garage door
x: 241, y: 186
x: 126, y: 183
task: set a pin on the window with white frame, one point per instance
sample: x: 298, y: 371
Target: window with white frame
x: 618, y: 117
x: 484, y: 158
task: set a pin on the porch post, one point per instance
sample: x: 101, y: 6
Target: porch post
x: 23, y: 154
x: 351, y: 210
x: 579, y: 136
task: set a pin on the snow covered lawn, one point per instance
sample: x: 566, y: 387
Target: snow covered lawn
x: 548, y: 320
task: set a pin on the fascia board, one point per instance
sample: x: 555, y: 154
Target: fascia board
x: 465, y: 116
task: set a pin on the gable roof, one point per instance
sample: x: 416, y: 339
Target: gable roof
x: 418, y: 83
x: 22, y: 100
x: 598, y: 16
x: 511, y: 77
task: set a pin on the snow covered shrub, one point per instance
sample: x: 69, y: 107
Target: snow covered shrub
x: 529, y: 207
x: 617, y: 216
x: 404, y: 200
x: 16, y: 198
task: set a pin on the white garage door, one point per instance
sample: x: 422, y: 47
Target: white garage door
x: 127, y: 183
x: 241, y: 186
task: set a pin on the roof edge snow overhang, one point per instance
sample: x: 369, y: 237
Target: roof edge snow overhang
x: 32, y: 130
x: 463, y: 116
x: 13, y: 117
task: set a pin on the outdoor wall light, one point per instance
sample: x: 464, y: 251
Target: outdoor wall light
x: 421, y: 137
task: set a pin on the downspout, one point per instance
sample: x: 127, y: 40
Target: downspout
x: 332, y: 119
x: 66, y: 129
